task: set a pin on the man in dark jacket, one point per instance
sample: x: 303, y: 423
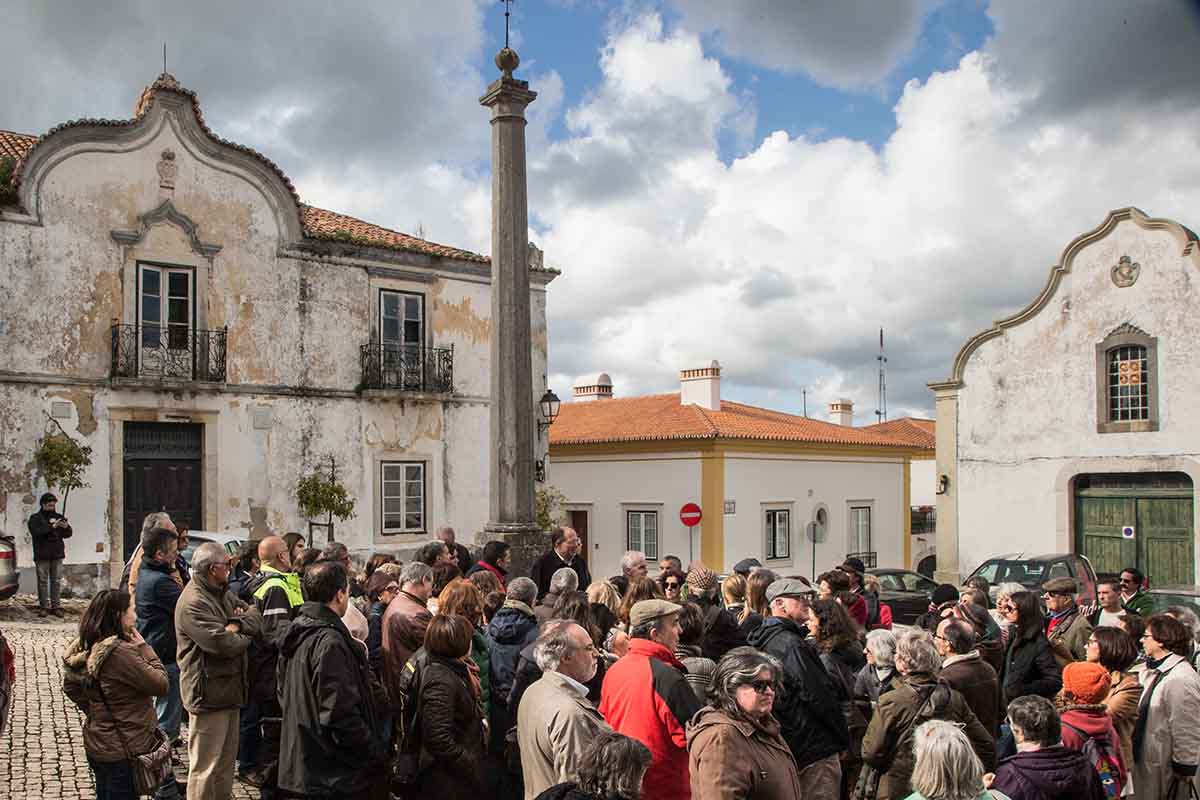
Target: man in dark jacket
x: 855, y: 570
x: 964, y: 669
x: 275, y: 592
x: 157, y: 595
x: 461, y: 555
x: 565, y: 548
x: 48, y: 528
x: 807, y: 709
x: 513, y: 628
x: 332, y: 745
x: 1043, y: 769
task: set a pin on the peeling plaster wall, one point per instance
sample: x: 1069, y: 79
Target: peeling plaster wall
x: 295, y: 328
x: 1027, y: 409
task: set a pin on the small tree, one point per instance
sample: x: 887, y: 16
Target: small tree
x: 61, y: 461
x: 321, y: 494
x: 548, y: 508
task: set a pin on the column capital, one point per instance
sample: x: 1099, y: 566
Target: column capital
x: 508, y: 91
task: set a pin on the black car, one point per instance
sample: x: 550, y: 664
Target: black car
x: 906, y: 592
x: 1165, y: 597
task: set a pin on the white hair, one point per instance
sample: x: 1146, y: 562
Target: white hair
x: 564, y: 580
x: 206, y: 555
x: 882, y: 644
x: 524, y: 590
x: 415, y: 572
x: 553, y: 644
x: 631, y: 559
x: 946, y: 766
x: 915, y: 648
x: 1007, y: 590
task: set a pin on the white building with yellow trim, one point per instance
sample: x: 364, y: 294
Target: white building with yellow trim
x: 628, y: 465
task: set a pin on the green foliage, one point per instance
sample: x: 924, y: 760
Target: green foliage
x: 548, y: 508
x: 319, y: 494
x: 62, y: 462
x: 8, y: 193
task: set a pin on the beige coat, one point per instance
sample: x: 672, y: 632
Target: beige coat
x: 1172, y: 734
x: 212, y: 661
x: 554, y: 724
x: 1122, y: 704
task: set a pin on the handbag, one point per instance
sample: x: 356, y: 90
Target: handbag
x: 150, y: 769
x: 1173, y: 788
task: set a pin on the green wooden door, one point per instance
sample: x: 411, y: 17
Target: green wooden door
x: 1159, y: 508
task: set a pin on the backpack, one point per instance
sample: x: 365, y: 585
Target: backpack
x: 1099, y: 754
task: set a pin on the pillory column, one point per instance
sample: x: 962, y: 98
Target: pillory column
x: 511, y: 514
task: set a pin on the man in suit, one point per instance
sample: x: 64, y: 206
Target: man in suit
x: 565, y: 547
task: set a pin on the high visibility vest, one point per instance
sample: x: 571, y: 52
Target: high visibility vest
x: 288, y: 581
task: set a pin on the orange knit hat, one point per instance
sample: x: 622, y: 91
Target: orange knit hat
x: 1085, y: 682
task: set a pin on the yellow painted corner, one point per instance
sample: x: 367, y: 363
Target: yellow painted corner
x: 712, y: 501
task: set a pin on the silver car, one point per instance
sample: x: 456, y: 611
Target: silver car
x: 8, y: 567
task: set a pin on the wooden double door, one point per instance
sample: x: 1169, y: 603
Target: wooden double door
x: 1158, y: 506
x: 162, y: 473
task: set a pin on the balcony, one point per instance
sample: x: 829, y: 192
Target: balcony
x: 407, y: 368
x: 168, y: 353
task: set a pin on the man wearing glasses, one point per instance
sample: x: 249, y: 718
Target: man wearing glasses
x: 214, y: 629
x: 1135, y: 598
x: 1067, y: 629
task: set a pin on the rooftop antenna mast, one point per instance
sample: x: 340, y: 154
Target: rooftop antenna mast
x: 507, y: 14
x: 881, y: 409
x: 164, y: 58
x: 804, y: 399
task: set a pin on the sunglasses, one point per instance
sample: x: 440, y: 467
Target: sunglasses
x: 1127, y: 581
x: 761, y: 687
x: 672, y: 584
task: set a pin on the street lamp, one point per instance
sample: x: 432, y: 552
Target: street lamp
x: 548, y: 406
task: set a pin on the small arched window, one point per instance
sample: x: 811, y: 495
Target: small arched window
x: 1126, y: 382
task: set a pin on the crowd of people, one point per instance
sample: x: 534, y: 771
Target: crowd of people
x: 447, y: 677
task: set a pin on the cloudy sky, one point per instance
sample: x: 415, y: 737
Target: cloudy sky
x: 764, y: 182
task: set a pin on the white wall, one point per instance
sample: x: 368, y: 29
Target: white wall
x: 758, y: 482
x: 923, y: 488
x: 607, y: 486
x: 1027, y: 408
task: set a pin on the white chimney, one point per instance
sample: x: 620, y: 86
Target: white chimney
x: 701, y: 387
x: 598, y: 389
x: 841, y: 412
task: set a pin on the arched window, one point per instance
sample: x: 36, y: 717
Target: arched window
x: 1126, y: 381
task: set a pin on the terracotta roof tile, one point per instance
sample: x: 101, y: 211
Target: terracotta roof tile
x: 661, y: 417
x: 318, y: 223
x: 919, y: 432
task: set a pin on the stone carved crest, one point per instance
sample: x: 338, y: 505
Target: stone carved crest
x: 536, y: 257
x: 1125, y: 273
x: 167, y: 169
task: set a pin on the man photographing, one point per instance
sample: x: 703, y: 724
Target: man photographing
x: 48, y: 529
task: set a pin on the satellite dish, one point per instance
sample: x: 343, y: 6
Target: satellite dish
x: 815, y: 532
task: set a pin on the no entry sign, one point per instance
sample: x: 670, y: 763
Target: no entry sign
x: 690, y: 515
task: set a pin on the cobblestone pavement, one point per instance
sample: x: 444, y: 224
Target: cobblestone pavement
x: 41, y: 752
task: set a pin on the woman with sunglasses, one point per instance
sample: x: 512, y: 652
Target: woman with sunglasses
x: 1113, y: 649
x: 1030, y: 666
x: 672, y: 583
x: 735, y: 748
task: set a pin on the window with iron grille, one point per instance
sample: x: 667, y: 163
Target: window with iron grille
x: 778, y: 523
x: 642, y: 532
x: 402, y: 489
x: 1128, y: 384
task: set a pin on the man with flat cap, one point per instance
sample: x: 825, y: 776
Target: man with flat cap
x: 1067, y: 629
x: 646, y: 696
x: 809, y: 715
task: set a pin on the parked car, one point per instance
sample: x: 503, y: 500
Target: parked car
x: 231, y: 539
x: 9, y: 579
x: 1033, y: 571
x: 906, y: 592
x: 1186, y: 596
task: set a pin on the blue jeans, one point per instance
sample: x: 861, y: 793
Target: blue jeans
x: 114, y: 780
x: 49, y: 576
x: 169, y: 707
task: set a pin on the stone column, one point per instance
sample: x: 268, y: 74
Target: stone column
x: 513, y: 427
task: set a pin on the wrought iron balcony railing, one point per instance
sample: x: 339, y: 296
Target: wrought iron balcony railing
x: 868, y: 557
x: 407, y: 368
x: 168, y: 352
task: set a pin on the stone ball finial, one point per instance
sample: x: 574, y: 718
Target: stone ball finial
x: 507, y: 60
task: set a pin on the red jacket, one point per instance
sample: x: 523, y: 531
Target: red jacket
x: 1093, y: 721
x: 646, y: 697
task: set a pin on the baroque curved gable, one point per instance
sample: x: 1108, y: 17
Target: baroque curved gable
x: 164, y: 102
x: 1190, y: 248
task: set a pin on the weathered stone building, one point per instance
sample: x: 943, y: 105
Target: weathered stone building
x: 1071, y: 426
x: 170, y: 301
